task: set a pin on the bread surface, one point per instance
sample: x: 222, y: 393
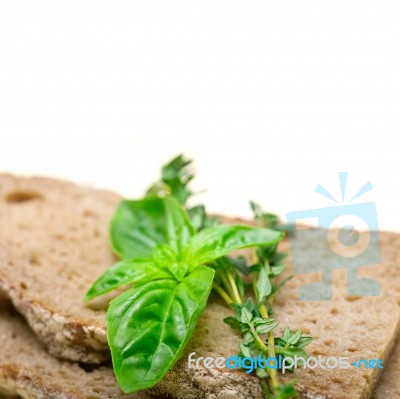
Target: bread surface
x: 27, y: 370
x: 54, y: 244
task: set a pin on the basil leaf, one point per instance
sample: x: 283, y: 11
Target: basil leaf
x: 166, y: 257
x: 179, y: 228
x: 124, y: 272
x: 163, y: 254
x: 149, y: 325
x: 214, y: 242
x: 138, y: 226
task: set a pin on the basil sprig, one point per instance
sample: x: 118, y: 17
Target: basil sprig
x: 171, y: 268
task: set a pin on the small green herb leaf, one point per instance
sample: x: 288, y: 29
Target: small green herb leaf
x: 279, y: 342
x: 233, y: 322
x: 198, y: 216
x: 292, y: 340
x: 278, y: 269
x: 246, y: 316
x: 292, y: 352
x: 266, y: 327
x: 148, y: 326
x: 303, y: 341
x: 239, y: 264
x: 286, y: 334
x: 125, y: 272
x: 245, y: 350
x: 248, y: 338
x: 287, y: 391
x: 175, y: 177
x: 264, y: 286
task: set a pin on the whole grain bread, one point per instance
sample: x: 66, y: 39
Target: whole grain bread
x: 388, y: 386
x: 55, y: 245
x: 353, y: 327
x: 27, y: 370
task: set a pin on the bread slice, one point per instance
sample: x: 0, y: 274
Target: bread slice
x: 53, y: 245
x: 389, y: 383
x: 27, y: 370
x: 354, y: 327
x: 54, y: 237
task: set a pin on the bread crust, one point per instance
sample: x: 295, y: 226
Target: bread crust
x: 27, y: 370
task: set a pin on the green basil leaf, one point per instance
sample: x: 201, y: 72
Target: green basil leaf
x: 179, y: 228
x: 163, y: 254
x: 125, y: 272
x: 149, y: 325
x: 137, y: 226
x: 263, y: 286
x: 217, y: 241
x: 166, y: 257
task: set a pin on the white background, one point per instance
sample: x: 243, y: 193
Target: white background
x: 270, y: 98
